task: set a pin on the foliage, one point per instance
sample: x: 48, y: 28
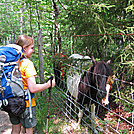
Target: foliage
x: 108, y: 25
x: 75, y: 18
x: 125, y: 63
x: 95, y: 18
x: 125, y: 72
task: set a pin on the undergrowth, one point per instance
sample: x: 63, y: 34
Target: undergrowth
x: 46, y: 107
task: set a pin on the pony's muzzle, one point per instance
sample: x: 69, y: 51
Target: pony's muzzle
x: 105, y: 100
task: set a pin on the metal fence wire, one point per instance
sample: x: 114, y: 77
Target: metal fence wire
x: 116, y: 117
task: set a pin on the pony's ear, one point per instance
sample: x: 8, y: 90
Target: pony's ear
x: 109, y: 61
x: 93, y: 60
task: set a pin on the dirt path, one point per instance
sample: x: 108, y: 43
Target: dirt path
x: 5, y: 125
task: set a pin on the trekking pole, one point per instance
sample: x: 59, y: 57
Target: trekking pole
x: 51, y: 78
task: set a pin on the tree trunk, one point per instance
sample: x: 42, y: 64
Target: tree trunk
x: 40, y: 55
x: 21, y: 22
x: 57, y: 27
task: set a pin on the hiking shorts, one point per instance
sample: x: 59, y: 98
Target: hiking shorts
x: 25, y: 120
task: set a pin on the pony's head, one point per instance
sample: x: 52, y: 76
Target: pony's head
x: 101, y: 72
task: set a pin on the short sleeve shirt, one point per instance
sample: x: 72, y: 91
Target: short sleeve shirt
x: 27, y: 70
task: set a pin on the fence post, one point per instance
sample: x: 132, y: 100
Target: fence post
x: 93, y: 118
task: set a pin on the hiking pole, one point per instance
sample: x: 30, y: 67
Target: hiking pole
x: 51, y: 78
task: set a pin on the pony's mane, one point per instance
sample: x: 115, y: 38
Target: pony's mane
x: 82, y: 76
x: 87, y: 73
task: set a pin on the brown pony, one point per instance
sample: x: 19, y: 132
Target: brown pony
x: 91, y: 86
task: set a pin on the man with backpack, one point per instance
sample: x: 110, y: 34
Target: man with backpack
x: 28, y: 73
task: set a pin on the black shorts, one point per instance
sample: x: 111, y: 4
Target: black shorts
x: 25, y: 120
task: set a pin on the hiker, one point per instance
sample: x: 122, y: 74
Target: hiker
x: 28, y: 73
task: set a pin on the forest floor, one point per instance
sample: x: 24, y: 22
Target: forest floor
x: 5, y: 125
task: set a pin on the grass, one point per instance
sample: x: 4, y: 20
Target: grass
x: 55, y: 120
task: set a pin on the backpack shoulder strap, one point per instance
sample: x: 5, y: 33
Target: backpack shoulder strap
x: 29, y: 94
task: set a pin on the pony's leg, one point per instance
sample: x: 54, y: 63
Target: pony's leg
x: 69, y: 106
x: 75, y: 107
x: 80, y: 115
x: 93, y: 118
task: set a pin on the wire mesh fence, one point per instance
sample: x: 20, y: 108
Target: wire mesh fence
x: 116, y: 117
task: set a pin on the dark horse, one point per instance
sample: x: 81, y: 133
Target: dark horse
x: 60, y: 69
x: 90, y: 86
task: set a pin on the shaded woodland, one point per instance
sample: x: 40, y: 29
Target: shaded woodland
x: 100, y: 28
